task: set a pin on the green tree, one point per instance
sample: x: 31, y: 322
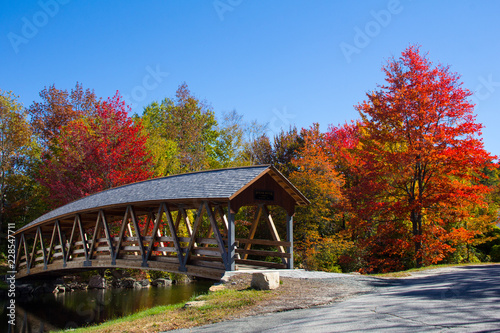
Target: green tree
x: 188, y: 129
x: 184, y: 135
x: 18, y: 193
x: 280, y: 153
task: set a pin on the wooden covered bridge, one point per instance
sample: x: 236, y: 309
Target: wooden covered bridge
x: 182, y: 224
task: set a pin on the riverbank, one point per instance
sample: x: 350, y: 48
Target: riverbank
x: 237, y: 300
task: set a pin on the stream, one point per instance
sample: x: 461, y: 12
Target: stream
x: 48, y: 312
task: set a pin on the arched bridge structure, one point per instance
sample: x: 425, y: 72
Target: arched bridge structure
x: 183, y: 224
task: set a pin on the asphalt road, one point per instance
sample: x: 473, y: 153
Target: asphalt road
x: 458, y: 299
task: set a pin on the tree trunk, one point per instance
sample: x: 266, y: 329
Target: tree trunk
x: 416, y: 220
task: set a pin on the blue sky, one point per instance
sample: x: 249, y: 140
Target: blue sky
x: 280, y: 62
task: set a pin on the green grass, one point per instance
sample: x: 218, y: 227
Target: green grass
x: 220, y: 305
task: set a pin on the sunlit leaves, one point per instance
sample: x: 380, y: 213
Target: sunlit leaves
x: 96, y: 153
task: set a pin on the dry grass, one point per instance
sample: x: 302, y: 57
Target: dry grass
x: 235, y: 301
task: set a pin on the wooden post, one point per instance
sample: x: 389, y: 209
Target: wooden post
x: 231, y: 239
x: 289, y: 238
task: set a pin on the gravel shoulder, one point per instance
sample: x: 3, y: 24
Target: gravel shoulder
x: 302, y: 289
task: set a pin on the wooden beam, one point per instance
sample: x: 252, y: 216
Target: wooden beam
x: 289, y: 238
x: 223, y: 217
x: 139, y: 236
x: 193, y: 236
x: 231, y: 241
x: 217, y: 234
x: 272, y: 228
x: 264, y: 253
x: 187, y: 222
x: 108, y: 235
x: 253, y: 228
x: 42, y: 247
x: 32, y: 259
x: 85, y: 245
x: 274, y: 232
x: 173, y: 233
x: 122, y: 232
x: 94, y: 237
x: 155, y: 231
x: 61, y: 242
x: 51, y: 244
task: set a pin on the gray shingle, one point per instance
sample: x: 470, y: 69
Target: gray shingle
x: 222, y: 183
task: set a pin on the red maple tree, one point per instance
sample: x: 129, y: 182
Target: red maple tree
x: 96, y: 153
x: 417, y: 165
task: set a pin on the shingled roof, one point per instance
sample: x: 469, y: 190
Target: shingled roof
x: 219, y: 185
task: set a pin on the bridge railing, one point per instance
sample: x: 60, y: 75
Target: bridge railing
x: 80, y: 243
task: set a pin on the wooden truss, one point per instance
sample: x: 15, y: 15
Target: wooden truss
x: 199, y: 242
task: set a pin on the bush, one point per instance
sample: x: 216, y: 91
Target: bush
x: 495, y: 253
x: 325, y: 254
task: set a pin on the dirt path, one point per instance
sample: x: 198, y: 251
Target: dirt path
x: 302, y: 293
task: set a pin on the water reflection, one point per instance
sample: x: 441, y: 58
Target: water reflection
x: 69, y: 310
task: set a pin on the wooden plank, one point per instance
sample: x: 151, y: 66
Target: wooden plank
x: 172, y: 259
x: 165, y: 249
x: 166, y: 239
x: 130, y: 248
x: 206, y: 258
x: 206, y: 263
x: 208, y: 241
x: 207, y: 251
x: 262, y: 242
x: 263, y: 253
x: 102, y: 249
x: 260, y: 263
